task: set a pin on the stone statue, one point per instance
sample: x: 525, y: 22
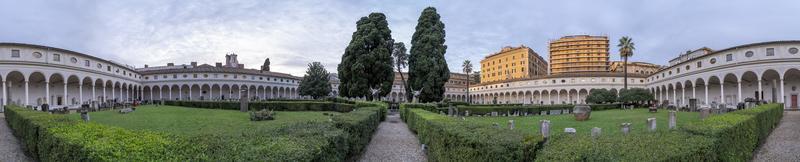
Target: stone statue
x: 265, y: 67
x: 375, y: 92
x: 416, y: 96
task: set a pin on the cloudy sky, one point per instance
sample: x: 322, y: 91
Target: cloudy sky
x: 293, y: 33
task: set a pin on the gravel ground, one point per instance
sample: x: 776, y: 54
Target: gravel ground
x: 10, y: 149
x: 784, y: 142
x: 393, y: 142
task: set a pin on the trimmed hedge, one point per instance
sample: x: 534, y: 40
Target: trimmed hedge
x: 453, y: 140
x: 48, y: 137
x: 274, y: 105
x: 359, y: 125
x: 738, y: 134
x: 535, y: 109
x: 658, y: 146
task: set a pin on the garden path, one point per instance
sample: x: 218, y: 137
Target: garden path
x: 10, y: 148
x: 783, y: 144
x: 393, y: 141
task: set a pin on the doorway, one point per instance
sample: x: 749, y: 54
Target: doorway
x: 794, y: 101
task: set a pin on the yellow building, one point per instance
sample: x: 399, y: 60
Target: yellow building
x: 579, y: 53
x: 512, y: 63
x: 635, y: 67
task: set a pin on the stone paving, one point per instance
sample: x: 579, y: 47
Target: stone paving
x: 784, y: 142
x: 10, y: 149
x: 393, y: 141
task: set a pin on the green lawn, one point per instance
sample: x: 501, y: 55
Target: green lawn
x: 608, y: 120
x: 196, y: 121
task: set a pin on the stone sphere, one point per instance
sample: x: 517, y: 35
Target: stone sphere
x: 582, y: 112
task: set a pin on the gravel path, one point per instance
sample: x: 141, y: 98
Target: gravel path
x: 784, y: 142
x: 10, y: 149
x: 393, y: 142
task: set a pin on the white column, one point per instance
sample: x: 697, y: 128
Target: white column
x: 26, y: 93
x: 64, y: 99
x: 550, y: 98
x: 170, y: 93
x: 740, y: 92
x: 94, y: 94
x: 239, y: 93
x: 683, y: 96
x: 5, y: 97
x: 782, y: 92
x: 220, y: 93
x: 47, y: 93
x: 190, y: 93
x: 105, y: 97
x: 558, y: 97
x: 180, y: 93
x: 675, y: 95
x: 113, y: 94
x: 706, y: 101
x: 80, y: 93
x: 722, y: 92
x: 160, y: 94
x: 694, y: 91
x: 151, y: 94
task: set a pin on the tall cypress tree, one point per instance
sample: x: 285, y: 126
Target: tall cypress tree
x: 428, y: 71
x: 367, y: 60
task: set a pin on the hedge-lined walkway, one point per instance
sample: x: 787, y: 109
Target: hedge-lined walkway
x: 393, y: 141
x: 10, y: 149
x: 784, y: 142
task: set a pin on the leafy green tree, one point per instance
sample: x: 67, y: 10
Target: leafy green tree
x: 400, y: 62
x: 466, y: 67
x: 316, y: 82
x: 601, y: 96
x: 635, y: 95
x: 428, y: 71
x: 476, y: 77
x: 626, y: 48
x: 367, y: 60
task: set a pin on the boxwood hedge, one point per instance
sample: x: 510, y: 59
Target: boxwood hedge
x: 274, y: 105
x: 658, y: 146
x: 449, y: 139
x: 48, y: 137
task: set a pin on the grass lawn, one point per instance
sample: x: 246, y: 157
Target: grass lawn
x: 608, y: 120
x: 196, y: 121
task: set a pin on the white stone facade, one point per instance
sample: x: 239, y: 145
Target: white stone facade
x: 34, y: 75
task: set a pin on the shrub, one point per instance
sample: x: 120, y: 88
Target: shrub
x: 359, y: 125
x: 658, y: 146
x: 273, y: 105
x: 601, y: 96
x: 451, y: 140
x: 738, y: 133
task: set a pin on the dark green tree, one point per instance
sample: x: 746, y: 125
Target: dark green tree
x: 476, y: 77
x: 635, y: 96
x: 601, y: 96
x: 400, y: 62
x: 367, y: 60
x: 428, y: 71
x: 316, y: 82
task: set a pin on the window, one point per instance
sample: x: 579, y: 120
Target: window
x: 729, y: 57
x: 37, y: 54
x: 56, y: 57
x: 713, y: 60
x: 194, y: 75
x: 15, y: 53
x: 86, y: 63
x: 793, y: 50
x: 109, y: 68
x: 699, y: 64
x: 99, y: 66
x: 748, y: 54
x: 770, y: 51
x: 174, y: 76
x: 687, y: 67
x: 74, y: 60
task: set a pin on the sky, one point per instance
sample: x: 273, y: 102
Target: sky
x: 293, y: 33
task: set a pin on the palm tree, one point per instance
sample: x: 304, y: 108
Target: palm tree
x: 467, y: 69
x: 625, y: 51
x: 401, y: 61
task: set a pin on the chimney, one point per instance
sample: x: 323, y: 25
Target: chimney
x: 194, y: 64
x: 170, y: 64
x: 219, y: 64
x: 145, y: 65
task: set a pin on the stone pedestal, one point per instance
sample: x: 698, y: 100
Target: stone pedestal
x: 673, y: 119
x: 544, y: 127
x: 596, y: 132
x: 570, y: 131
x: 243, y: 102
x: 626, y: 128
x: 651, y: 124
x: 511, y: 124
x: 466, y: 112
